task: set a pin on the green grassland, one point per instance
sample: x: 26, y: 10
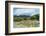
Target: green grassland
x: 22, y: 22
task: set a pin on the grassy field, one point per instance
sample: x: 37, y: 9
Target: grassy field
x: 26, y: 23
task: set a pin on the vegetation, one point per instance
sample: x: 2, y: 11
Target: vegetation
x: 20, y: 18
x: 26, y: 21
x: 35, y: 17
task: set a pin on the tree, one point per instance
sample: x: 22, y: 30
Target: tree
x: 35, y: 17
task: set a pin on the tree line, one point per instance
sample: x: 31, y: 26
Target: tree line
x: 24, y: 17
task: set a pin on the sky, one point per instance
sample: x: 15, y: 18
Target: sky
x: 25, y: 11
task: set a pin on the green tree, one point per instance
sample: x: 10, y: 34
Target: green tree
x: 35, y: 17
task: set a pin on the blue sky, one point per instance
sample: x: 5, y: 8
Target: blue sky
x: 25, y: 11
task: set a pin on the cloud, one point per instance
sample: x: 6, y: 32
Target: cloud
x: 22, y: 11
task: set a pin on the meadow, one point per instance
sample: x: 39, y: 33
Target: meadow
x: 24, y: 21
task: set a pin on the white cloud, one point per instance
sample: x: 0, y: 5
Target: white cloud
x: 29, y: 11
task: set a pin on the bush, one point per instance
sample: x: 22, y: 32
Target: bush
x: 25, y: 18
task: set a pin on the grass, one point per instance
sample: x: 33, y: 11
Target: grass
x: 26, y: 23
x: 30, y: 21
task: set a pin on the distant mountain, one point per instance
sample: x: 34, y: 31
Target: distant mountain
x: 22, y: 16
x: 26, y: 14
